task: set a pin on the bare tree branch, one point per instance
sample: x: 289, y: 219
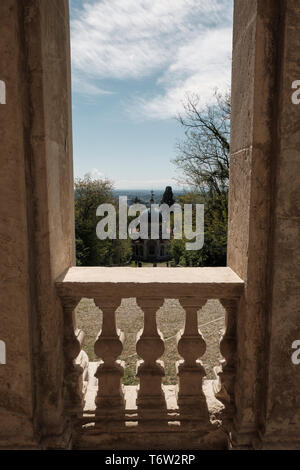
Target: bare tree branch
x: 203, y: 156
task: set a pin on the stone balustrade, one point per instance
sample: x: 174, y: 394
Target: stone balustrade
x: 192, y: 287
x: 73, y: 372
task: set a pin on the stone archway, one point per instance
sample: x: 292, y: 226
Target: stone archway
x: 37, y: 223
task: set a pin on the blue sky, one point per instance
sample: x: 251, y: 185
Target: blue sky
x: 133, y: 62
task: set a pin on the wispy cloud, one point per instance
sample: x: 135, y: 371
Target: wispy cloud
x: 200, y: 67
x: 186, y: 43
x: 85, y: 87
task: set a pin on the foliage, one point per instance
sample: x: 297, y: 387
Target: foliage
x: 168, y: 197
x: 90, y: 251
x: 203, y: 157
x: 213, y: 252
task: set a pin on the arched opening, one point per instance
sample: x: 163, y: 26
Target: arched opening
x: 100, y: 88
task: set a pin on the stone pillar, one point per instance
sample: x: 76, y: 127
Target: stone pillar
x: 36, y: 218
x: 264, y: 220
x: 281, y: 425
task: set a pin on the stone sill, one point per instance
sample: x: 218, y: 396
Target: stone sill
x: 127, y: 282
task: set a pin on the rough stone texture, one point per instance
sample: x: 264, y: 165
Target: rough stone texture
x: 16, y: 399
x: 264, y: 219
x: 253, y: 85
x: 282, y: 422
x: 37, y: 229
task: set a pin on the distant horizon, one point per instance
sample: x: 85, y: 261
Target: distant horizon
x: 148, y: 189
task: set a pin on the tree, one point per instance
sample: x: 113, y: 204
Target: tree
x: 90, y: 251
x: 203, y: 156
x: 168, y: 197
x: 214, y: 249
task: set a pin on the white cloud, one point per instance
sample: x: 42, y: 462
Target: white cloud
x: 186, y: 43
x: 199, y: 67
x: 94, y: 174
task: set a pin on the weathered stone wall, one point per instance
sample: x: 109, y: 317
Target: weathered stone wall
x: 263, y: 218
x: 16, y: 385
x: 36, y: 213
x: 282, y: 421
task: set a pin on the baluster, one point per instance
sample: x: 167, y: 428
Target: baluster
x: 224, y: 386
x: 73, y: 394
x: 191, y: 346
x: 110, y: 401
x: 150, y: 347
x: 83, y: 361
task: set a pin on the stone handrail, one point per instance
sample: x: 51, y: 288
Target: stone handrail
x: 150, y: 286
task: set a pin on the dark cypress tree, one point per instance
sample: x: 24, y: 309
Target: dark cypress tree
x: 168, y: 197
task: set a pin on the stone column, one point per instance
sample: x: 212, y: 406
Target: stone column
x: 280, y: 426
x: 264, y: 220
x: 36, y: 218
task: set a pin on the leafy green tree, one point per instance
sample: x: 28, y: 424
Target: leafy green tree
x: 177, y: 250
x: 90, y: 251
x: 214, y: 250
